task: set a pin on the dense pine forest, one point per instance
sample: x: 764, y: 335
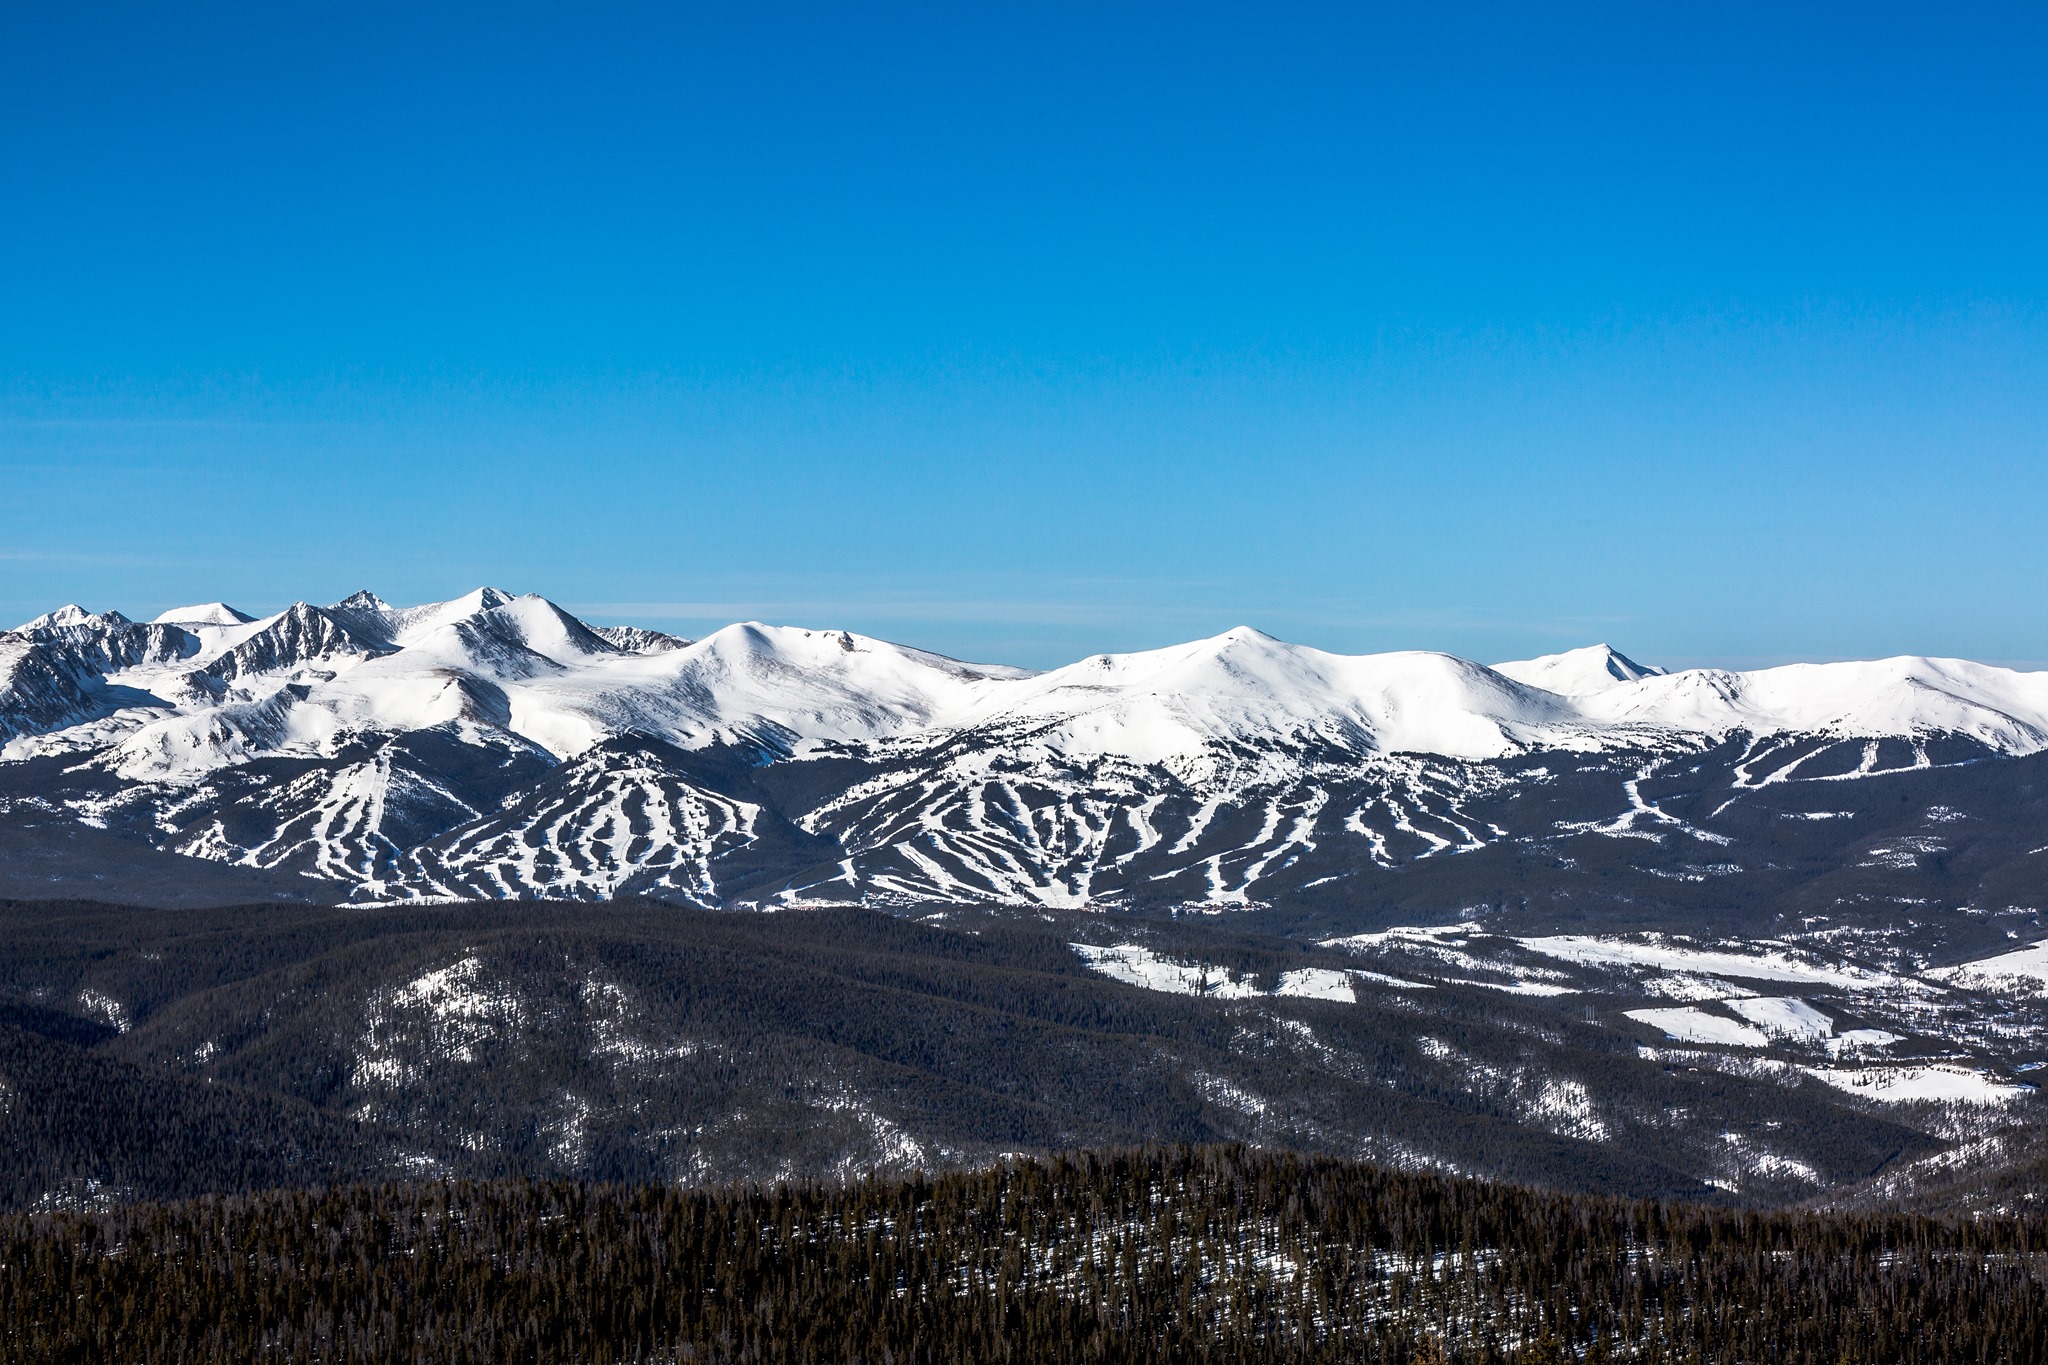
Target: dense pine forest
x: 156, y: 1055
x: 1188, y: 1254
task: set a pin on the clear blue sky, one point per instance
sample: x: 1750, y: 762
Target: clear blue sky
x: 1720, y: 332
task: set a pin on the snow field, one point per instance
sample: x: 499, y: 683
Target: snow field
x: 1136, y: 965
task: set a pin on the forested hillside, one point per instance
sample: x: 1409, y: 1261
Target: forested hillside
x: 267, y: 1046
x: 1213, y: 1254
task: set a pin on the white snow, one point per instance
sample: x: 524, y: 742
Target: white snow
x: 1136, y: 965
x: 998, y: 783
x: 1761, y: 1161
x: 104, y: 1007
x: 1452, y: 947
x: 1690, y: 1024
x: 1757, y: 961
x: 1785, y: 1017
x: 1906, y: 696
x: 1687, y: 987
x: 1578, y: 672
x: 450, y: 992
x: 1164, y: 703
x: 70, y: 614
x: 1514, y: 987
x: 202, y: 614
x: 1564, y: 1106
x: 1317, y: 983
x: 1906, y: 1084
x: 2025, y: 969
x: 523, y: 663
x: 441, y: 1015
x: 1850, y: 1042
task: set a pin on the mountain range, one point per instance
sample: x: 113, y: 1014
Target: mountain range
x: 364, y: 891
x: 494, y: 745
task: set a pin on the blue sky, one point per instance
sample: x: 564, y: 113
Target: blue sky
x: 1022, y: 332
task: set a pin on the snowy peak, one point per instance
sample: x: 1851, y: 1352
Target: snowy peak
x: 779, y: 648
x: 372, y: 618
x: 300, y: 634
x: 72, y: 617
x: 1578, y: 672
x: 534, y: 674
x: 488, y: 628
x: 91, y: 643
x: 70, y: 614
x: 202, y: 614
x: 1245, y: 686
x: 757, y: 681
x: 495, y: 744
x: 364, y: 615
x: 1904, y: 697
x: 39, y: 691
x: 637, y: 640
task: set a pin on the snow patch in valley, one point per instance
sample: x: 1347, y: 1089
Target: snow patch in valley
x: 1690, y: 1024
x: 1754, y: 961
x: 1564, y: 1106
x: 1136, y: 965
x: 1460, y: 949
x: 1318, y: 983
x: 1785, y: 1017
x: 1938, y: 1082
x: 1761, y: 1161
x: 2023, y: 969
x: 1851, y: 1042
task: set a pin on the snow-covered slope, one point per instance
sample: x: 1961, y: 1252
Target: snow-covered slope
x: 1244, y: 685
x: 202, y: 614
x: 38, y: 691
x: 638, y: 639
x: 1905, y: 697
x: 543, y: 675
x: 1211, y: 769
x: 1578, y: 672
x: 65, y: 617
x: 525, y: 664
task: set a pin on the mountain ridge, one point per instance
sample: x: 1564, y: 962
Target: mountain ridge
x: 371, y: 744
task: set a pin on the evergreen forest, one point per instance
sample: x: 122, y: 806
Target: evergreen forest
x: 1194, y: 1254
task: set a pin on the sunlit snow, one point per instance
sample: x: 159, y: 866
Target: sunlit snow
x: 2023, y: 969
x: 1907, y: 1084
x: 1690, y: 1024
x: 1751, y: 961
x: 1785, y: 1017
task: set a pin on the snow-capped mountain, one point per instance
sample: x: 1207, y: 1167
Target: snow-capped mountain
x: 1578, y: 672
x: 202, y: 614
x: 496, y: 745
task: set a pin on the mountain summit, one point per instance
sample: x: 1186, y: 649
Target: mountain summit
x: 1578, y: 672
